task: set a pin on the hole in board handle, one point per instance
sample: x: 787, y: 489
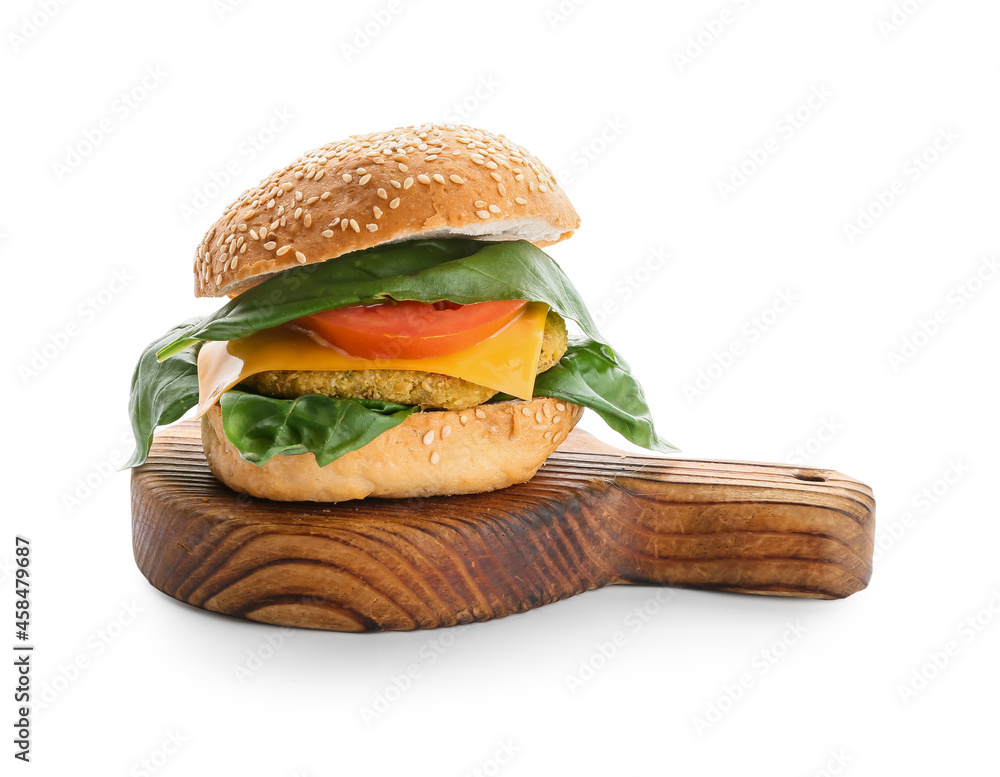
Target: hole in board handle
x: 809, y: 475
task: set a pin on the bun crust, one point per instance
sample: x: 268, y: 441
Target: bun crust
x: 429, y: 180
x: 438, y: 452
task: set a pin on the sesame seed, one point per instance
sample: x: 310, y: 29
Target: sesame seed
x: 281, y: 211
x: 325, y: 196
x: 520, y: 201
x: 394, y: 204
x: 560, y: 407
x: 377, y: 211
x: 435, y: 456
x: 253, y: 234
x: 423, y: 178
x: 365, y: 178
x: 354, y: 226
x: 311, y: 200
x: 456, y: 178
x: 347, y: 177
x: 438, y: 177
x: 480, y: 413
x: 328, y: 233
x: 525, y: 410
x: 531, y: 186
x: 494, y: 209
x: 491, y: 165
x: 396, y: 184
x: 547, y: 435
x: 270, y: 246
x: 308, y: 220
x: 287, y: 186
x: 283, y: 250
x: 298, y: 196
x: 372, y: 227
x: 407, y: 184
x: 502, y: 189
x: 298, y: 212
x: 542, y: 187
x: 399, y: 158
x: 556, y: 419
x: 558, y: 436
x: 463, y: 420
x: 429, y: 437
x: 298, y: 174
x: 344, y: 225
x: 483, y: 214
x: 496, y: 177
x: 361, y: 171
x: 480, y: 203
x: 403, y: 168
x: 270, y: 204
x: 319, y: 175
x: 431, y: 157
x: 300, y: 257
x: 218, y: 280
x: 445, y: 432
x: 383, y: 194
x: 249, y: 215
x: 519, y: 177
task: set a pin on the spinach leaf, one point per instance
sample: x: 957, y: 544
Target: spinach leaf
x: 588, y: 375
x: 161, y: 392
x: 591, y: 374
x: 459, y: 270
x: 263, y: 427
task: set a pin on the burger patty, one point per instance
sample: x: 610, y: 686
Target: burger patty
x: 429, y: 390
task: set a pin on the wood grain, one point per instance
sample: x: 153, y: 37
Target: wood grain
x: 593, y: 516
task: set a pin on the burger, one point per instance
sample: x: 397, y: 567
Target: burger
x: 393, y: 329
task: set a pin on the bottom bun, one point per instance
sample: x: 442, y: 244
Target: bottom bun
x: 434, y: 452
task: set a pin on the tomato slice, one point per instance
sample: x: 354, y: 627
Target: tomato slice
x: 410, y: 330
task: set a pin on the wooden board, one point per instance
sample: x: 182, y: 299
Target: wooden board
x: 591, y: 517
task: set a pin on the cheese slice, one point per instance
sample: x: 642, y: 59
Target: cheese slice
x: 506, y: 361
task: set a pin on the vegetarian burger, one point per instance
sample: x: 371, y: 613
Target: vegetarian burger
x: 394, y: 327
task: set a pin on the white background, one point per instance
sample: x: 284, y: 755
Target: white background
x: 643, y: 110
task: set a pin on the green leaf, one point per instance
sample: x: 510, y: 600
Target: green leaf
x: 263, y: 427
x: 459, y: 270
x: 588, y: 375
x: 161, y: 392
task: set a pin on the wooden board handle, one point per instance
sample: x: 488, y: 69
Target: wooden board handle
x: 591, y: 517
x: 734, y: 526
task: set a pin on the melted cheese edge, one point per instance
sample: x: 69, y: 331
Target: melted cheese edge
x: 506, y: 361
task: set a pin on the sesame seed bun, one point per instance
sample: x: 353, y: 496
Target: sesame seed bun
x: 431, y: 181
x: 428, y: 454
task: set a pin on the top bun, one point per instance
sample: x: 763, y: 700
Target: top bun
x: 429, y: 181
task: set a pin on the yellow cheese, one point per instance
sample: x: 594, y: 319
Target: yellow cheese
x: 506, y: 361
